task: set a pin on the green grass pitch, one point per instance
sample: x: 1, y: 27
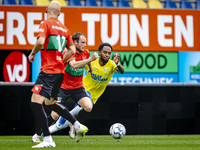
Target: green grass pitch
x: 129, y: 142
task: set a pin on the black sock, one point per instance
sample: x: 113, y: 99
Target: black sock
x: 50, y: 121
x: 62, y: 111
x: 38, y: 131
x: 82, y: 115
x: 41, y: 117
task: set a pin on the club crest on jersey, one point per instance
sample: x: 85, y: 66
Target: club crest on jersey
x: 105, y: 70
x: 84, y: 58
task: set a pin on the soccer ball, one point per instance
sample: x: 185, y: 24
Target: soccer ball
x: 117, y: 131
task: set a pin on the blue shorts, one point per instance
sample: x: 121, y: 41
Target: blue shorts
x: 75, y: 94
x: 47, y: 85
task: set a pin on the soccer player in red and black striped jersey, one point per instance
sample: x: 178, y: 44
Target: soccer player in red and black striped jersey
x: 52, y: 39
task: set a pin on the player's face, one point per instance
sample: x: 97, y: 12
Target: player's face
x: 80, y: 45
x: 105, y: 54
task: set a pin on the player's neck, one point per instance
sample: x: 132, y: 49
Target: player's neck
x: 52, y: 16
x: 101, y: 63
x: 78, y: 51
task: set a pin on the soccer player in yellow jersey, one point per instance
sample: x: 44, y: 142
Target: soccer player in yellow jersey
x: 95, y: 83
x: 103, y: 68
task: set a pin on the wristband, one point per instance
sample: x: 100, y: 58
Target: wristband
x: 118, y: 64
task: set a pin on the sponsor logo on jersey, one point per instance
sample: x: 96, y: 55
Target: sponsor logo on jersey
x: 98, y: 77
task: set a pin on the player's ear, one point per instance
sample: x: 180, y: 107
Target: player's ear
x: 59, y: 14
x: 75, y: 42
x: 46, y: 10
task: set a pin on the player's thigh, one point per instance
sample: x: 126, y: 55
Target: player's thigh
x: 63, y: 96
x: 36, y: 98
x: 49, y: 101
x: 86, y: 104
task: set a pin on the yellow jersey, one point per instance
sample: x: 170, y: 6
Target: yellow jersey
x: 96, y: 81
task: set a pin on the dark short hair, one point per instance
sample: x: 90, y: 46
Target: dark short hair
x: 104, y: 44
x: 77, y: 35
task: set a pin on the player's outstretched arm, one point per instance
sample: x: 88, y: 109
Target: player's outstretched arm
x: 81, y: 63
x: 119, y: 67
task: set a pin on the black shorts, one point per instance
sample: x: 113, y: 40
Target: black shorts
x: 75, y: 94
x: 48, y: 85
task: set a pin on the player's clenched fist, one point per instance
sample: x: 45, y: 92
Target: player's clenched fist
x: 95, y: 56
x: 31, y: 57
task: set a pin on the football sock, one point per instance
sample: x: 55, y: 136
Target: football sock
x: 50, y: 121
x: 76, y: 110
x: 82, y: 115
x: 76, y: 125
x: 53, y: 128
x: 38, y: 131
x: 64, y: 125
x: 41, y: 117
x: 62, y: 111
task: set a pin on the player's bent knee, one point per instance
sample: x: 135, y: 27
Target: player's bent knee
x: 54, y: 115
x: 88, y: 108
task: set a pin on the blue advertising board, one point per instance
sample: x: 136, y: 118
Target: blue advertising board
x: 36, y: 65
x: 189, y: 67
x: 130, y: 78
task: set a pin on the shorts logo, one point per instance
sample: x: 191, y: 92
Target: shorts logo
x: 16, y: 68
x: 37, y: 88
x: 59, y: 99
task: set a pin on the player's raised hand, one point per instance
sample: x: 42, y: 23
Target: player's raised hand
x: 116, y: 58
x: 94, y: 56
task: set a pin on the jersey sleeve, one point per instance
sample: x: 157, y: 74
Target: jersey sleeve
x: 114, y: 66
x: 87, y: 53
x: 72, y: 58
x: 43, y: 31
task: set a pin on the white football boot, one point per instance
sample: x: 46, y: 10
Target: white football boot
x: 36, y: 138
x: 71, y: 131
x: 80, y: 133
x: 45, y: 144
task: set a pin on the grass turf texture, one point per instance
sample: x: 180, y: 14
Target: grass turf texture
x: 143, y: 142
